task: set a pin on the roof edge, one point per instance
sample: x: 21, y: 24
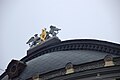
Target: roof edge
x: 77, y: 44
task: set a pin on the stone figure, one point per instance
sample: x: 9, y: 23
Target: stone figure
x: 30, y: 41
x: 33, y: 40
x: 36, y: 39
x: 53, y: 30
x: 47, y: 35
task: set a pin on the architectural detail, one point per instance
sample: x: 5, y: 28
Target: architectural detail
x: 33, y: 41
x: 82, y: 44
x: 36, y: 77
x: 53, y: 30
x: 69, y: 68
x: 43, y: 34
x: 80, y: 59
x: 14, y: 68
x: 108, y: 60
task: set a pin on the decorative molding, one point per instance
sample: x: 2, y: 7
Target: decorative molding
x: 94, y: 45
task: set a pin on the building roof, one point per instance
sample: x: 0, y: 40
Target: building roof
x: 56, y: 54
x: 57, y: 60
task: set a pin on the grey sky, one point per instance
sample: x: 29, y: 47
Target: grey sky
x: 21, y: 19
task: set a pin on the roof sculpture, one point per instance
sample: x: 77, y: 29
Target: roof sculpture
x: 33, y: 41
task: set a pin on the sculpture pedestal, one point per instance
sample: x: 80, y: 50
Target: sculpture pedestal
x: 48, y: 42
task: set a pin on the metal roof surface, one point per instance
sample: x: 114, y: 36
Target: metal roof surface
x: 56, y: 60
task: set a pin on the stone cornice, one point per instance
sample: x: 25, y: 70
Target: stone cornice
x: 78, y: 44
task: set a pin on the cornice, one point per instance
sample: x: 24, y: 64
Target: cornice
x: 77, y: 44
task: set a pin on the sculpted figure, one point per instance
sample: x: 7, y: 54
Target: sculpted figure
x: 33, y: 40
x: 30, y: 41
x: 43, y: 36
x: 36, y: 39
x: 53, y: 30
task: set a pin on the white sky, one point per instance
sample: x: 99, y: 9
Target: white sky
x: 83, y: 19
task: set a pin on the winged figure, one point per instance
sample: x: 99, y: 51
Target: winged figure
x: 53, y: 30
x: 34, y: 40
x: 43, y: 36
x: 30, y: 41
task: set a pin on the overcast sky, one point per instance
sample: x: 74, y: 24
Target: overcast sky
x: 78, y: 19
